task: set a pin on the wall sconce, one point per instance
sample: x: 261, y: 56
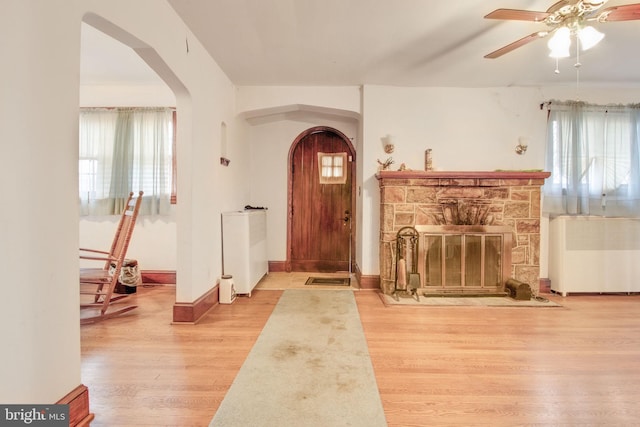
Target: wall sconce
x: 389, y: 144
x: 523, y: 143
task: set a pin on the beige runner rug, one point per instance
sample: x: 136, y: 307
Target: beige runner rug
x: 310, y: 366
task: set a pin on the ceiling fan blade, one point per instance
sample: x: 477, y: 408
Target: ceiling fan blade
x: 557, y: 6
x: 627, y: 12
x: 516, y: 44
x: 517, y: 15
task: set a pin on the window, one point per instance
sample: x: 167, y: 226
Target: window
x: 123, y: 150
x: 332, y: 168
x: 88, y: 171
x: 592, y: 154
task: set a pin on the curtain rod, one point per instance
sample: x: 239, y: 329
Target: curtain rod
x: 130, y: 108
x: 547, y: 104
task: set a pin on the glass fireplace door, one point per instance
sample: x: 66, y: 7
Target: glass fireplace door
x: 459, y: 262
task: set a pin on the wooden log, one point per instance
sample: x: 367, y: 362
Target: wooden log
x: 518, y: 290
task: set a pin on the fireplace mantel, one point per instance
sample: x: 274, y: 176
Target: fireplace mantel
x: 418, y: 198
x: 491, y: 176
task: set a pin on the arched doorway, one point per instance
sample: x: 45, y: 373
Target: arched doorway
x: 320, y: 228
x: 139, y: 66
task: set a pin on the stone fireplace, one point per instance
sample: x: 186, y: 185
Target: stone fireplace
x: 475, y: 230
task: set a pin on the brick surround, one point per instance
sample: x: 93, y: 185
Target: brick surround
x: 510, y: 198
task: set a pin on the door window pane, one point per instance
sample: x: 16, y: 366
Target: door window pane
x: 332, y: 168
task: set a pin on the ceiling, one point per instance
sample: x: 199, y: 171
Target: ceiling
x: 378, y: 42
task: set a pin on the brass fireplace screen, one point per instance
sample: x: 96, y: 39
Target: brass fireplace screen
x: 447, y: 259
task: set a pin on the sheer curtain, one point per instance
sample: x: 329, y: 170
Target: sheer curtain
x: 593, y: 157
x: 123, y: 150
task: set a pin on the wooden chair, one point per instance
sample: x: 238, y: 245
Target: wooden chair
x: 101, y: 282
x: 96, y: 254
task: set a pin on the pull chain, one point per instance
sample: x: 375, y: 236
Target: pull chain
x: 577, y: 66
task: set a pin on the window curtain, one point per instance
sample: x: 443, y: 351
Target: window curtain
x: 124, y: 150
x: 593, y: 156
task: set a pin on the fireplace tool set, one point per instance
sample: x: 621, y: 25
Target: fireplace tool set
x: 407, y: 276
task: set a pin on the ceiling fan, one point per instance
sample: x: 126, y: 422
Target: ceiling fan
x: 563, y: 19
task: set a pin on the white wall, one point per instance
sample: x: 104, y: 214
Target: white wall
x: 467, y: 129
x: 153, y: 243
x: 39, y: 324
x: 259, y: 97
x: 39, y: 112
x: 126, y: 95
x: 204, y: 99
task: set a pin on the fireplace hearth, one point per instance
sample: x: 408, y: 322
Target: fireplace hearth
x: 476, y: 230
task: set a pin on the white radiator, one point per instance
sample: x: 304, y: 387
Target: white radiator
x: 244, y: 248
x: 590, y: 254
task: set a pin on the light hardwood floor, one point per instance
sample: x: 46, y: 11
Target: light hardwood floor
x: 575, y: 365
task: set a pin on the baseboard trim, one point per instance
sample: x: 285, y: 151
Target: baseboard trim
x: 368, y: 282
x: 192, y: 312
x: 277, y: 266
x: 78, y: 401
x: 545, y: 286
x: 164, y: 277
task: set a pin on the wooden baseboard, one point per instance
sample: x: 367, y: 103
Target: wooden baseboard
x: 277, y: 266
x: 545, y: 286
x: 78, y: 401
x: 369, y: 282
x: 192, y: 312
x: 164, y: 277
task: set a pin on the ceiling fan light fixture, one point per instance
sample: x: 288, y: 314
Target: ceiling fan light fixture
x: 589, y: 37
x: 560, y: 43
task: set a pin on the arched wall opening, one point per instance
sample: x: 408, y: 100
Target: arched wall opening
x: 149, y: 82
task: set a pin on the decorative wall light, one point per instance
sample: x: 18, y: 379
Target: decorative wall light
x: 523, y: 143
x: 389, y: 144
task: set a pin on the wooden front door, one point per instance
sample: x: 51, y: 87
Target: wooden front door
x: 320, y: 201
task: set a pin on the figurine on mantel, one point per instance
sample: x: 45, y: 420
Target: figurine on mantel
x: 385, y: 165
x: 428, y: 161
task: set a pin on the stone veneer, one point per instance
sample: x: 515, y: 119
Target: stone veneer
x: 411, y: 198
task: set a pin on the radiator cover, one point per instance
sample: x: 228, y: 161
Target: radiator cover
x: 590, y: 254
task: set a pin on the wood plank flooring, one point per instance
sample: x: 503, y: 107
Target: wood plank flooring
x: 575, y: 365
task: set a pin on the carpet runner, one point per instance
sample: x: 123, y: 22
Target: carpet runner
x: 309, y: 367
